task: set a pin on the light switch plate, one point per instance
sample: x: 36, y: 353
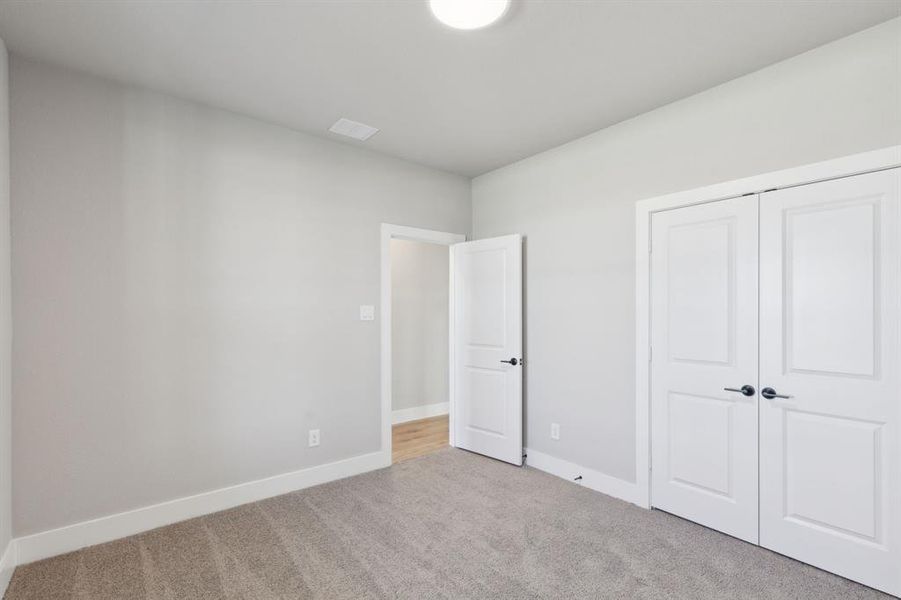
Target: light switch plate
x: 367, y: 312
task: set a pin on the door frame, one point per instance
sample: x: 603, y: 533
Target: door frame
x: 856, y: 164
x: 401, y: 232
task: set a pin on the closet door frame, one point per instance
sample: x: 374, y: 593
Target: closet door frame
x: 856, y: 164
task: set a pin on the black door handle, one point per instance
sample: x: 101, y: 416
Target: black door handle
x: 747, y: 390
x: 512, y: 361
x: 769, y: 393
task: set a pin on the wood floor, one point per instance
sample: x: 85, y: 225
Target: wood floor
x: 417, y: 438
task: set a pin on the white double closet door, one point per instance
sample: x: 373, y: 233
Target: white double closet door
x: 795, y: 293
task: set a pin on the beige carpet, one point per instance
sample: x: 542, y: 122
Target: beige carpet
x: 448, y: 525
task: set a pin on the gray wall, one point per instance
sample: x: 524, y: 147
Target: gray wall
x: 5, y: 314
x: 575, y: 206
x: 187, y: 286
x: 419, y: 317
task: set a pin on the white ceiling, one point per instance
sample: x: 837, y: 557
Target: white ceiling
x: 466, y: 102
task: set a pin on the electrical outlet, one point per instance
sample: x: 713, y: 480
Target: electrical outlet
x: 314, y: 437
x: 555, y: 431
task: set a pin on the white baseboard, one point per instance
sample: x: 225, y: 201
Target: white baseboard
x: 595, y: 480
x: 7, y: 565
x: 105, y: 529
x: 419, y: 412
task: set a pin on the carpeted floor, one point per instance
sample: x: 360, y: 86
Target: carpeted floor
x: 448, y: 525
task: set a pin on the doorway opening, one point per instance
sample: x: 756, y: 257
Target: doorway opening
x: 419, y: 348
x: 416, y: 341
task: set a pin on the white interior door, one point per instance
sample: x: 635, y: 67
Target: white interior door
x: 704, y: 340
x: 830, y: 479
x: 487, y: 347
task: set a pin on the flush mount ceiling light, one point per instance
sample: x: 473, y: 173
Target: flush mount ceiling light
x: 468, y: 14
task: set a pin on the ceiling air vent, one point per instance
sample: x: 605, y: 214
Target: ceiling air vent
x: 353, y: 129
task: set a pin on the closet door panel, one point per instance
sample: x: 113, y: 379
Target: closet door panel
x: 704, y: 339
x: 830, y: 472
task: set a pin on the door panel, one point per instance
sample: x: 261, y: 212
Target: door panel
x: 700, y: 304
x: 830, y: 277
x: 830, y: 479
x: 704, y: 339
x: 487, y: 308
x: 700, y: 441
x: 809, y: 496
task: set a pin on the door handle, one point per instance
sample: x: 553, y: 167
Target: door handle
x: 512, y: 361
x: 769, y: 393
x: 747, y: 390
